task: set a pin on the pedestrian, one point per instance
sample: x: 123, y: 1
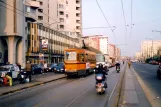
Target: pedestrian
x: 28, y: 70
x: 19, y: 66
x: 129, y: 63
x: 45, y: 67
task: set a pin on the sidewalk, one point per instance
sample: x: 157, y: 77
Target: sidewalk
x: 133, y: 93
x: 36, y: 80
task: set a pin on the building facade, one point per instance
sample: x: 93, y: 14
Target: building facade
x: 118, y: 53
x: 150, y: 48
x: 112, y: 53
x: 57, y: 42
x: 89, y: 42
x: 12, y: 38
x: 20, y: 35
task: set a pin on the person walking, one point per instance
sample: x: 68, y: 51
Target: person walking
x: 45, y: 67
x: 129, y: 63
x: 28, y: 70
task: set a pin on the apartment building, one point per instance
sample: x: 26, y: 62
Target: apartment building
x: 14, y: 30
x: 70, y: 16
x: 150, y: 48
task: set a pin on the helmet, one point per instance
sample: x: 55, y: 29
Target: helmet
x: 100, y: 65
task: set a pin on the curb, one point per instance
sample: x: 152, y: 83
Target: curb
x: 32, y: 85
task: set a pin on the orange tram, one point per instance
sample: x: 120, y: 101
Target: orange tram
x: 79, y: 62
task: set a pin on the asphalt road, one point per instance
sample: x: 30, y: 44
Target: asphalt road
x: 72, y: 92
x: 148, y: 74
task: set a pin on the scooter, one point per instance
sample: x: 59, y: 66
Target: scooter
x: 118, y: 69
x: 22, y: 77
x: 100, y: 84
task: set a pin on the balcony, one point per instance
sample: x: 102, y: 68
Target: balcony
x: 31, y: 16
x: 33, y: 4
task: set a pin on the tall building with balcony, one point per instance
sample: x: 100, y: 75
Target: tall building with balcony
x: 70, y: 15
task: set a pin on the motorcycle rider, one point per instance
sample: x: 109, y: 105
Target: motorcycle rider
x: 117, y: 65
x: 101, y: 70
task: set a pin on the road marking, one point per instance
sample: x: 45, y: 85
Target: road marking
x: 78, y: 97
x: 113, y: 91
x: 146, y: 90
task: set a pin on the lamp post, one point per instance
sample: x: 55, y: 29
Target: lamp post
x: 157, y: 31
x: 152, y: 49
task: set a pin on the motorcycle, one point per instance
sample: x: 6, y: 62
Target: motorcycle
x: 100, y: 84
x: 118, y: 69
x: 23, y: 78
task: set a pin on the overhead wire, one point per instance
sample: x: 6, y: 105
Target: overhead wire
x: 131, y: 18
x: 22, y: 14
x: 105, y: 18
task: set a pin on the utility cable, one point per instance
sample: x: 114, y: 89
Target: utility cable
x: 105, y: 18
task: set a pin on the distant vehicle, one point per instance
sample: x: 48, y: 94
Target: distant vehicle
x: 79, y: 62
x: 37, y: 69
x: 11, y: 69
x: 59, y: 68
x: 100, y: 58
x: 52, y: 67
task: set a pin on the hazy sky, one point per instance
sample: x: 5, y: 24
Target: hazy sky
x: 146, y: 17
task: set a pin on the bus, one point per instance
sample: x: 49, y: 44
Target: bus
x: 100, y: 58
x: 79, y: 62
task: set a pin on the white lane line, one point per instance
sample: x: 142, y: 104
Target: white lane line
x: 113, y: 91
x: 78, y: 97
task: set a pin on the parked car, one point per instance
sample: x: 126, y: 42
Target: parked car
x: 51, y: 67
x: 11, y: 69
x: 37, y: 69
x: 159, y: 72
x: 60, y: 68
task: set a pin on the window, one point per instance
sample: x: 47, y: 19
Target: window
x: 71, y: 56
x: 41, y: 3
x: 77, y: 8
x: 61, y: 19
x: 67, y: 15
x: 77, y: 27
x: 77, y: 14
x: 40, y: 17
x: 81, y: 57
x: 40, y: 10
x: 77, y: 1
x: 78, y: 21
x: 61, y: 12
x: 61, y: 6
x: 62, y: 26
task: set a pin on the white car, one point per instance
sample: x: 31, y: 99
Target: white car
x: 12, y: 69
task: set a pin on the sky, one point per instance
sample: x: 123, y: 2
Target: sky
x: 146, y: 16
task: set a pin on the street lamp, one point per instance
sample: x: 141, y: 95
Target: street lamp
x: 156, y: 31
x: 152, y: 47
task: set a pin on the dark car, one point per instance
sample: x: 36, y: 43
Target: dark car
x: 37, y: 69
x: 60, y: 68
x: 52, y: 67
x: 159, y: 72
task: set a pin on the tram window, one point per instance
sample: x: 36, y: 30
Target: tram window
x: 81, y: 58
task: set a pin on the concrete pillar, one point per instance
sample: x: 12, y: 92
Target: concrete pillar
x: 12, y: 42
x: 11, y: 50
x: 19, y: 52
